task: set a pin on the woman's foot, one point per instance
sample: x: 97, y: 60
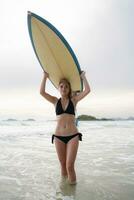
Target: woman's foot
x: 72, y: 182
x: 63, y: 181
x: 63, y: 177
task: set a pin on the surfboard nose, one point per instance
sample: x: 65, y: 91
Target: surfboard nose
x: 29, y: 12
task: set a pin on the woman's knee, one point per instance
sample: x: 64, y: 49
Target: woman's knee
x: 63, y: 163
x: 70, y: 166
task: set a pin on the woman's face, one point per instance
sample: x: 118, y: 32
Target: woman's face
x: 64, y: 89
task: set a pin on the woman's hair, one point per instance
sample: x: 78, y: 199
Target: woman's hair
x: 64, y: 80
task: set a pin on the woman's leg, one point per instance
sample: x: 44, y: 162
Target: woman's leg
x: 71, y: 152
x: 61, y: 151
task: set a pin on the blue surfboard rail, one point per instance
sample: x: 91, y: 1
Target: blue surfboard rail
x: 54, y: 29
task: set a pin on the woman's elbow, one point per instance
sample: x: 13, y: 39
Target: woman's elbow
x: 41, y: 92
x: 88, y: 90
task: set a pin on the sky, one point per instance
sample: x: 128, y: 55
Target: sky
x: 101, y: 34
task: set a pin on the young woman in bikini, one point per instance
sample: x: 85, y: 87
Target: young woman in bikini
x: 67, y: 136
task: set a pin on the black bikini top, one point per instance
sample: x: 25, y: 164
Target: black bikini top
x: 70, y: 108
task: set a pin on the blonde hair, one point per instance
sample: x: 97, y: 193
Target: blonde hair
x: 64, y: 80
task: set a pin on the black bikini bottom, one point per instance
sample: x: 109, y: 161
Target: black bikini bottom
x: 66, y: 139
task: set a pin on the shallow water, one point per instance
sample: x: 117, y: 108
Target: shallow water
x: 29, y: 167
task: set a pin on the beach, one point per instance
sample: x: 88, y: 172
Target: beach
x: 30, y: 170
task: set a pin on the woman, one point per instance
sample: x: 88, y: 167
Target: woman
x: 66, y: 135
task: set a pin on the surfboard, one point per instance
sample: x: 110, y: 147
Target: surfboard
x: 55, y: 55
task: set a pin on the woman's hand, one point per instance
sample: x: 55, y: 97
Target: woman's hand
x: 82, y: 75
x: 46, y: 75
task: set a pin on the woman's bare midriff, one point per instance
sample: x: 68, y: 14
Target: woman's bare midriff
x: 66, y: 125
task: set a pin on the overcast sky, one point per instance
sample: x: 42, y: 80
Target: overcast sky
x: 101, y: 33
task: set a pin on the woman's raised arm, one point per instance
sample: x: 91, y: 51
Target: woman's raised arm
x: 86, y: 90
x: 50, y: 98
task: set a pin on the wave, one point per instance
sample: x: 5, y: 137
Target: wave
x: 22, y: 124
x: 30, y: 119
x: 15, y: 120
x: 10, y: 120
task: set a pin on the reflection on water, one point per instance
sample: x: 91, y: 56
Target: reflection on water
x: 65, y: 190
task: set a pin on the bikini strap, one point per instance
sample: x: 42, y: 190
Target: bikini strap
x: 80, y: 136
x: 52, y: 138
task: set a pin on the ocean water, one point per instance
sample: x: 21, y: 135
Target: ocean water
x: 30, y: 170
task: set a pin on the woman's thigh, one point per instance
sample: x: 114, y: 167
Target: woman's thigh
x: 61, y: 150
x: 71, y: 152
